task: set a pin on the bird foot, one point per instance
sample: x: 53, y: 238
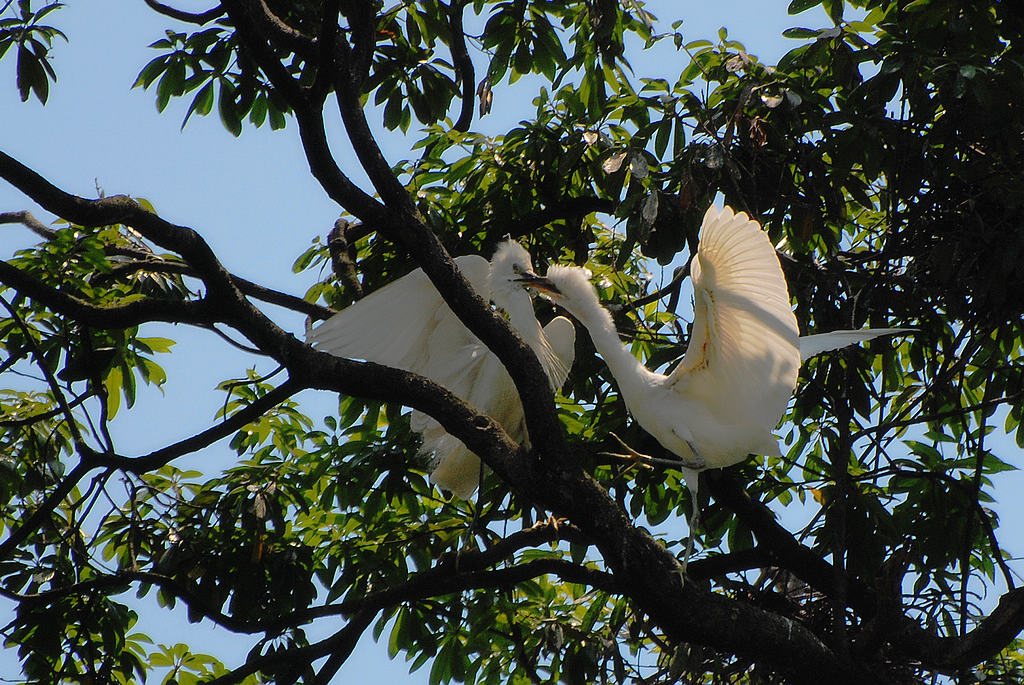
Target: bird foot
x: 552, y: 521
x: 640, y: 460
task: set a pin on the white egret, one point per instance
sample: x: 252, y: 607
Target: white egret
x: 726, y: 396
x: 407, y: 325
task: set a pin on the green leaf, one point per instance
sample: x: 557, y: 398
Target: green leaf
x: 798, y: 6
x: 229, y: 116
x: 202, y: 103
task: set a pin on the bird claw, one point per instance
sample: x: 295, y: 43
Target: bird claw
x: 551, y: 521
x: 640, y: 460
x: 637, y: 460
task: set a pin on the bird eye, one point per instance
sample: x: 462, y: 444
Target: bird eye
x: 516, y: 269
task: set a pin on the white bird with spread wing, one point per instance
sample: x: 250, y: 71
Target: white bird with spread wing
x: 726, y: 396
x: 407, y: 325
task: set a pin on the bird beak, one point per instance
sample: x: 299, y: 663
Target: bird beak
x: 532, y: 280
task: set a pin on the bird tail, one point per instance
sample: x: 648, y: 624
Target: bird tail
x: 811, y: 345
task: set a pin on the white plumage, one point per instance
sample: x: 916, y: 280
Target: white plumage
x: 407, y: 325
x: 726, y: 396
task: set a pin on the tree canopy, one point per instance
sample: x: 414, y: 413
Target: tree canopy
x: 884, y: 155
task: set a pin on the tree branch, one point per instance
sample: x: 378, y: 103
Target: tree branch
x: 342, y: 643
x: 35, y: 519
x: 463, y: 64
x: 133, y: 313
x: 236, y: 421
x: 188, y: 17
x: 26, y: 219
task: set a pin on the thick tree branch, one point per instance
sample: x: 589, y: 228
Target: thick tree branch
x: 247, y: 287
x: 362, y: 18
x: 997, y: 630
x: 307, y: 367
x: 146, y: 261
x: 398, y: 220
x: 651, y: 576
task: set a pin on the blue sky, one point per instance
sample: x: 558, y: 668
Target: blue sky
x: 254, y: 200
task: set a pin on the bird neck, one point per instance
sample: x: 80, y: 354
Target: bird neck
x: 521, y: 316
x: 630, y: 374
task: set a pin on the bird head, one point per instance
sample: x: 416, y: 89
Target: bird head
x: 511, y: 270
x: 568, y: 286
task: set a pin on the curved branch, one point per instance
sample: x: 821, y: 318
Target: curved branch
x: 188, y: 17
x: 992, y: 634
x: 26, y: 219
x: 236, y: 421
x: 341, y: 643
x: 463, y: 65
x: 147, y: 261
x: 247, y: 287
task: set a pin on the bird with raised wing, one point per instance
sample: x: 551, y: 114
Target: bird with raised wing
x: 727, y: 395
x: 407, y: 325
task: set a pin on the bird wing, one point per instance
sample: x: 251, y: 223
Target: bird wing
x: 406, y: 324
x: 561, y: 337
x: 742, y: 358
x: 811, y: 345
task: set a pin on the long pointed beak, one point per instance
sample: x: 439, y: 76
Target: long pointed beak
x: 532, y: 280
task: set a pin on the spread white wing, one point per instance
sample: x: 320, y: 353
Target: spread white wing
x: 743, y: 355
x: 407, y: 325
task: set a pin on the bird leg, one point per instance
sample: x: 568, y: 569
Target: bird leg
x: 694, y: 520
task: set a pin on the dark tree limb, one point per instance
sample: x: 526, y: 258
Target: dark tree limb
x: 35, y: 520
x: 992, y: 634
x: 133, y: 313
x: 199, y: 18
x: 147, y: 261
x: 943, y: 654
x: 326, y: 49
x: 362, y: 19
x: 235, y: 422
x: 341, y: 643
x: 463, y: 65
x: 398, y: 220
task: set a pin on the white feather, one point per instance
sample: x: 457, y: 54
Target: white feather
x: 812, y: 345
x: 407, y: 325
x: 733, y: 384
